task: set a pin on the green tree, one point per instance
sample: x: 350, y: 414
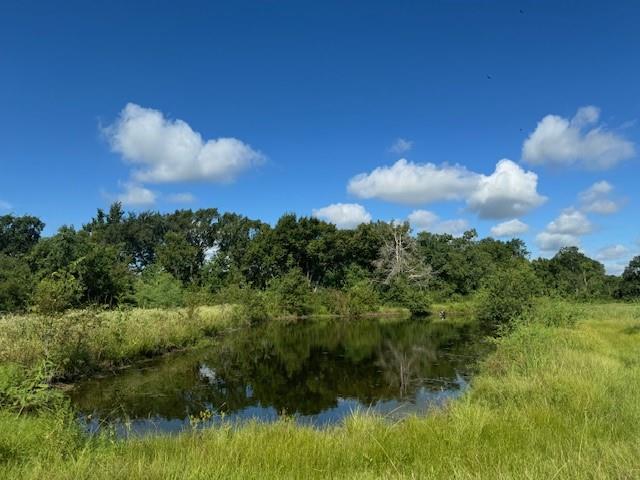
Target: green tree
x: 506, y: 294
x: 58, y: 252
x: 629, y: 287
x: 179, y: 257
x: 19, y: 234
x: 103, y: 273
x: 16, y: 283
x: 570, y: 273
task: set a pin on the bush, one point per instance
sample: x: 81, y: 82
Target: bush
x: 506, y: 294
x: 57, y: 293
x: 252, y: 307
x: 27, y: 390
x: 16, y: 284
x: 361, y: 297
x: 158, y: 289
x: 291, y: 293
x: 355, y: 300
x: 402, y: 294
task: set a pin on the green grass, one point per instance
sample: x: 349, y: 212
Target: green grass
x: 551, y: 402
x: 81, y: 342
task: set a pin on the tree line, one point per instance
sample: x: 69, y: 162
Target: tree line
x: 298, y: 266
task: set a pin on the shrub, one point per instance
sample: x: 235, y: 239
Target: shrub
x: 57, y: 293
x: 291, y: 293
x: 252, y: 307
x: 16, y: 284
x: 401, y: 293
x: 357, y: 299
x: 27, y: 390
x: 361, y: 298
x: 506, y: 294
x: 334, y: 301
x: 158, y: 289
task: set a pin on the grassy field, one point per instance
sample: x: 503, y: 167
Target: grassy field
x: 551, y: 402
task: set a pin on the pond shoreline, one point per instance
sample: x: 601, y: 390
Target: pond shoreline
x: 317, y: 370
x: 543, y: 388
x: 109, y: 369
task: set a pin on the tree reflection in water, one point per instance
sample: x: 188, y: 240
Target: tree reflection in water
x: 317, y: 371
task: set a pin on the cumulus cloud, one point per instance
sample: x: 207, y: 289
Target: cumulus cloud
x: 509, y: 228
x: 414, y: 183
x: 615, y: 268
x: 562, y: 142
x: 166, y: 150
x: 185, y: 197
x: 508, y: 192
x: 549, y: 242
x: 615, y: 258
x: 401, y: 146
x: 596, y: 199
x: 564, y: 231
x: 135, y: 195
x: 455, y: 227
x: 572, y: 222
x: 4, y: 205
x: 424, y: 220
x: 612, y: 252
x: 343, y: 215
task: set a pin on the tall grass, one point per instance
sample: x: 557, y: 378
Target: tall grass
x: 79, y: 342
x: 551, y: 402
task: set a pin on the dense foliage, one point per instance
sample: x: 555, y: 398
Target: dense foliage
x: 298, y: 266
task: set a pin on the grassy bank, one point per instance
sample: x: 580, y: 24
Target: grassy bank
x: 82, y: 342
x: 549, y: 403
x: 86, y: 341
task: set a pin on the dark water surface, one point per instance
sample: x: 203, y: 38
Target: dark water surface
x: 317, y: 372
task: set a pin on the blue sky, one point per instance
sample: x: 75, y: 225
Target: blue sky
x: 268, y: 107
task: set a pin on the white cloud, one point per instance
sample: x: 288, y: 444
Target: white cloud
x: 136, y: 196
x: 615, y: 258
x: 414, y: 183
x: 454, y: 227
x: 596, y: 199
x: 424, y: 220
x: 4, y: 205
x: 168, y: 150
x: 508, y: 192
x: 563, y: 142
x: 547, y: 241
x: 509, y: 228
x: 564, y: 231
x: 343, y: 215
x: 401, y: 146
x: 612, y: 252
x: 572, y: 222
x: 596, y: 191
x: 185, y: 197
x: 615, y: 268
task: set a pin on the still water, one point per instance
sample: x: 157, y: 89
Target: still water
x: 317, y: 372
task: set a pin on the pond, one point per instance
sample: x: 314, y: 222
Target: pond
x: 317, y: 372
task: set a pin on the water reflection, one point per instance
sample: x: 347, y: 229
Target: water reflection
x: 317, y: 371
